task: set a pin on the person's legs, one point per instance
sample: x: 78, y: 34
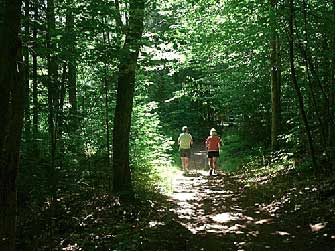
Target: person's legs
x: 187, y: 163
x: 209, y: 155
x: 214, y: 163
x: 183, y: 162
x: 210, y: 163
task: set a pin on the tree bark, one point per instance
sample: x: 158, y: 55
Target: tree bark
x: 275, y: 79
x: 331, y: 127
x: 27, y: 121
x: 125, y: 92
x: 52, y: 80
x: 35, y: 82
x: 105, y: 89
x: 295, y: 84
x: 305, y: 51
x: 11, y: 114
x: 72, y: 69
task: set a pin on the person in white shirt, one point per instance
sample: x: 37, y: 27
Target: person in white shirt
x: 185, y: 142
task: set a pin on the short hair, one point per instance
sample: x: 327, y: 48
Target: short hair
x: 184, y: 129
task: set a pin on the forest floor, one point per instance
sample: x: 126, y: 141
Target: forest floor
x: 222, y: 213
x: 244, y: 211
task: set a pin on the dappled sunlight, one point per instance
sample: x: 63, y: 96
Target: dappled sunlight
x: 155, y: 224
x: 318, y: 227
x: 225, y: 217
x: 263, y: 221
x: 282, y: 233
x: 206, y: 204
x: 223, y: 209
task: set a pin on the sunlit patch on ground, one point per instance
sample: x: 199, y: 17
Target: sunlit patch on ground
x: 317, y: 227
x: 263, y: 221
x: 281, y: 233
x: 232, y: 210
x: 71, y: 247
x: 206, y: 205
x: 155, y: 223
x: 225, y: 217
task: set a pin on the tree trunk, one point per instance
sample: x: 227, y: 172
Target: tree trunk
x: 331, y: 127
x: 52, y: 80
x: 27, y: 124
x: 106, y: 89
x: 35, y: 82
x: 306, y: 51
x: 60, y: 117
x: 275, y: 78
x: 125, y: 92
x: 72, y: 69
x: 295, y: 84
x: 11, y: 114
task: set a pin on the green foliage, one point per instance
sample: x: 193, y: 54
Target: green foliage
x: 150, y: 147
x: 235, y: 153
x: 204, y: 64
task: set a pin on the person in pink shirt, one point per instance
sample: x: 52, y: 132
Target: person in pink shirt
x: 213, y: 143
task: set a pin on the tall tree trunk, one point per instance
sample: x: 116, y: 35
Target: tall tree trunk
x: 27, y: 124
x: 306, y: 51
x: 35, y: 81
x: 60, y: 117
x: 124, y: 102
x: 72, y: 69
x: 275, y: 78
x: 331, y: 126
x: 11, y: 114
x: 52, y: 80
x: 107, y: 116
x: 295, y: 84
x: 106, y: 94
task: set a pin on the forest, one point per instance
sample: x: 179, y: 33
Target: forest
x: 94, y: 95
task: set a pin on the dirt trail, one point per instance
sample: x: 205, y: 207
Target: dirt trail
x: 217, y: 209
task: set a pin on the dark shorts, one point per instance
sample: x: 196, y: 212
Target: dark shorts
x: 212, y: 154
x: 185, y: 153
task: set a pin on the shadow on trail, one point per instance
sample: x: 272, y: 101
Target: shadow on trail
x: 221, y: 216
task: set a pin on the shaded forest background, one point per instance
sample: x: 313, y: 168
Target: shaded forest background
x: 261, y: 72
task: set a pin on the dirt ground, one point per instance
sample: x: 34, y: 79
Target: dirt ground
x: 250, y: 210
x: 221, y: 212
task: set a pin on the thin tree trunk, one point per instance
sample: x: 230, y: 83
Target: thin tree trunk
x: 310, y: 81
x: 295, y: 84
x: 35, y: 82
x: 107, y: 118
x: 124, y: 101
x: 331, y: 127
x: 11, y: 114
x: 314, y: 74
x: 53, y: 106
x: 72, y: 69
x: 27, y: 124
x: 106, y: 93
x: 60, y: 117
x: 52, y: 80
x: 275, y: 79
